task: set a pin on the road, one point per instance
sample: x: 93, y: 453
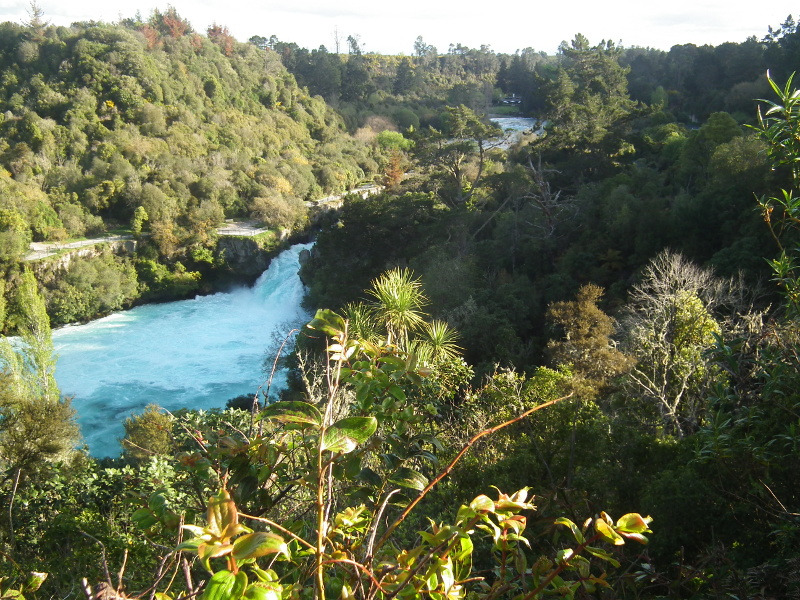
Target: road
x: 39, y: 250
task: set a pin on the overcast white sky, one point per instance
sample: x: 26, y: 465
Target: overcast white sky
x: 392, y: 27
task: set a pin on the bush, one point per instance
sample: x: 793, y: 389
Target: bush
x: 147, y: 434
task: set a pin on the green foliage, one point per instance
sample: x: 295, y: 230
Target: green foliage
x: 670, y: 328
x: 779, y: 127
x: 92, y: 287
x: 458, y: 151
x: 319, y: 553
x: 397, y: 303
x: 151, y: 124
x: 15, y: 235
x: 148, y: 434
x: 36, y: 425
x: 279, y: 212
x: 586, y: 347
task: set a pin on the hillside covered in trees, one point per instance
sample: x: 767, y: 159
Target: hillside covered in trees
x: 603, y: 315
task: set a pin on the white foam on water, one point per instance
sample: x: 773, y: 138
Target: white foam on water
x: 192, y: 353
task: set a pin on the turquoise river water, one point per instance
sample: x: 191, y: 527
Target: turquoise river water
x: 193, y: 353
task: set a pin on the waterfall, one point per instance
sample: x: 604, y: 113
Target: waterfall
x: 192, y: 353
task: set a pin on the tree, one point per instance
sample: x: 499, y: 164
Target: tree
x: 398, y: 302
x: 15, y: 235
x: 36, y: 424
x: 36, y: 21
x: 404, y: 79
x: 356, y: 77
x: 587, y: 100
x: 670, y: 324
x: 586, y: 346
x: 779, y: 126
x: 458, y: 151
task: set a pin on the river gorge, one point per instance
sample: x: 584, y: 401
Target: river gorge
x: 189, y: 354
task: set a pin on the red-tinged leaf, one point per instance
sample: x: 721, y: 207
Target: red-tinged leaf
x: 222, y: 518
x: 213, y: 550
x: 515, y: 502
x: 633, y: 523
x: 636, y: 537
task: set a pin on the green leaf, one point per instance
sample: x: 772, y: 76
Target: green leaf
x: 158, y: 504
x: 633, y: 523
x: 409, y: 478
x: 370, y: 477
x: 264, y: 591
x: 482, y: 504
x: 396, y: 391
x: 144, y: 518
x: 576, y: 533
x: 258, y: 544
x: 345, y: 435
x: 328, y: 322
x: 603, y: 555
x: 34, y: 581
x: 293, y: 411
x: 239, y: 586
x: 220, y: 586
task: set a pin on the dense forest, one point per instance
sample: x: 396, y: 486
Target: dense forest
x: 514, y: 341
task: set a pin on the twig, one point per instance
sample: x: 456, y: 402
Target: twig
x: 376, y: 520
x: 10, y: 508
x: 103, y: 553
x: 452, y: 464
x: 294, y: 536
x: 87, y: 589
x: 121, y: 571
x: 188, y: 575
x: 269, y: 383
x: 358, y: 566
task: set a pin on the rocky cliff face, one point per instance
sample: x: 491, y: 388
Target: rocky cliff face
x: 243, y: 255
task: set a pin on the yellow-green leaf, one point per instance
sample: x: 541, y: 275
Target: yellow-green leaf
x: 576, y: 533
x: 258, y: 544
x: 607, y: 532
x: 346, y: 434
x: 482, y: 504
x: 633, y: 523
x: 293, y: 411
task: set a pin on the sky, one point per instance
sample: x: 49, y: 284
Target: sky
x: 392, y: 27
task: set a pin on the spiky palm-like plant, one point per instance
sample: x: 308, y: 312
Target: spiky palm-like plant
x: 362, y: 324
x: 437, y: 341
x: 398, y: 303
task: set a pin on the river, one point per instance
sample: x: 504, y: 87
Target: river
x: 193, y: 353
x: 514, y: 127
